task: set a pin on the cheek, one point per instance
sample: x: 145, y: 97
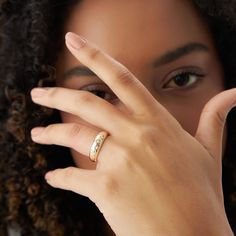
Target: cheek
x: 187, y: 109
x: 189, y: 120
x: 188, y: 117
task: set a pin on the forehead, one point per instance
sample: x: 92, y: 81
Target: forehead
x: 136, y: 26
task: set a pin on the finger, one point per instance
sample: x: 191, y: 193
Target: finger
x: 78, y: 137
x: 121, y: 81
x: 74, y: 179
x: 83, y: 104
x: 212, y: 121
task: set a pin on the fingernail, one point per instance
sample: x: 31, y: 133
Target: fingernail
x: 36, y: 132
x: 38, y: 92
x: 48, y: 175
x: 74, y: 40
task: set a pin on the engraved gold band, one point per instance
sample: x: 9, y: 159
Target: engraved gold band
x: 96, y: 145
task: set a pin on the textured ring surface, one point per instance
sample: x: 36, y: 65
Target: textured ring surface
x: 96, y: 145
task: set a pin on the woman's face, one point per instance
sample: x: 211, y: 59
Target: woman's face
x: 164, y: 43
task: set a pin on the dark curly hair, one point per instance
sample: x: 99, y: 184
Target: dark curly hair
x: 30, y: 35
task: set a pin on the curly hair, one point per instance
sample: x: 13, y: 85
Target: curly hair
x: 30, y: 35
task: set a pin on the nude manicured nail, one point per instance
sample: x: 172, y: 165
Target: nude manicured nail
x: 36, y: 132
x: 48, y: 176
x: 38, y: 92
x: 74, y: 40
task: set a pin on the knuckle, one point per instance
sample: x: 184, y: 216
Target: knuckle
x: 52, y: 92
x: 73, y: 131
x: 220, y: 118
x: 127, y: 158
x: 84, y: 98
x: 108, y: 184
x: 146, y: 136
x: 125, y: 77
x: 52, y: 95
x: 69, y: 173
x: 93, y: 54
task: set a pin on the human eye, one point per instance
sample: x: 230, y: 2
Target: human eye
x: 184, y: 79
x: 101, y: 91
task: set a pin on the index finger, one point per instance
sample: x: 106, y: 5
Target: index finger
x: 120, y: 80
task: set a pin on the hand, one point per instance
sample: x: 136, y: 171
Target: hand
x: 152, y: 177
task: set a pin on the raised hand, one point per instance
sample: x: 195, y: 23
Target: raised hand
x: 152, y: 177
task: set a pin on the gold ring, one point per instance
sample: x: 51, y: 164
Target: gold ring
x: 96, y: 145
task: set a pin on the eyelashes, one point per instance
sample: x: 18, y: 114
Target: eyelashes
x: 102, y: 91
x: 180, y: 80
x: 183, y: 80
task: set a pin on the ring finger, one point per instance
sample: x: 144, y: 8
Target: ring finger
x: 76, y: 136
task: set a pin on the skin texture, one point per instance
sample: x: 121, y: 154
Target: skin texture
x: 36, y: 43
x: 116, y: 25
x: 152, y: 132
x: 172, y: 173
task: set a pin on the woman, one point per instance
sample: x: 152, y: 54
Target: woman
x: 183, y: 54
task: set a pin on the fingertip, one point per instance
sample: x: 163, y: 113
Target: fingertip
x: 68, y: 34
x: 48, y: 176
x: 74, y: 40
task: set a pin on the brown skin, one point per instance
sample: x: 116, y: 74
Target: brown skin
x: 135, y: 33
x: 172, y: 25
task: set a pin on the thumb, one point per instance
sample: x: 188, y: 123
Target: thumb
x: 212, y: 120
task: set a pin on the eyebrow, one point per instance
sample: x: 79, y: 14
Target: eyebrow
x: 168, y: 57
x: 180, y: 52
